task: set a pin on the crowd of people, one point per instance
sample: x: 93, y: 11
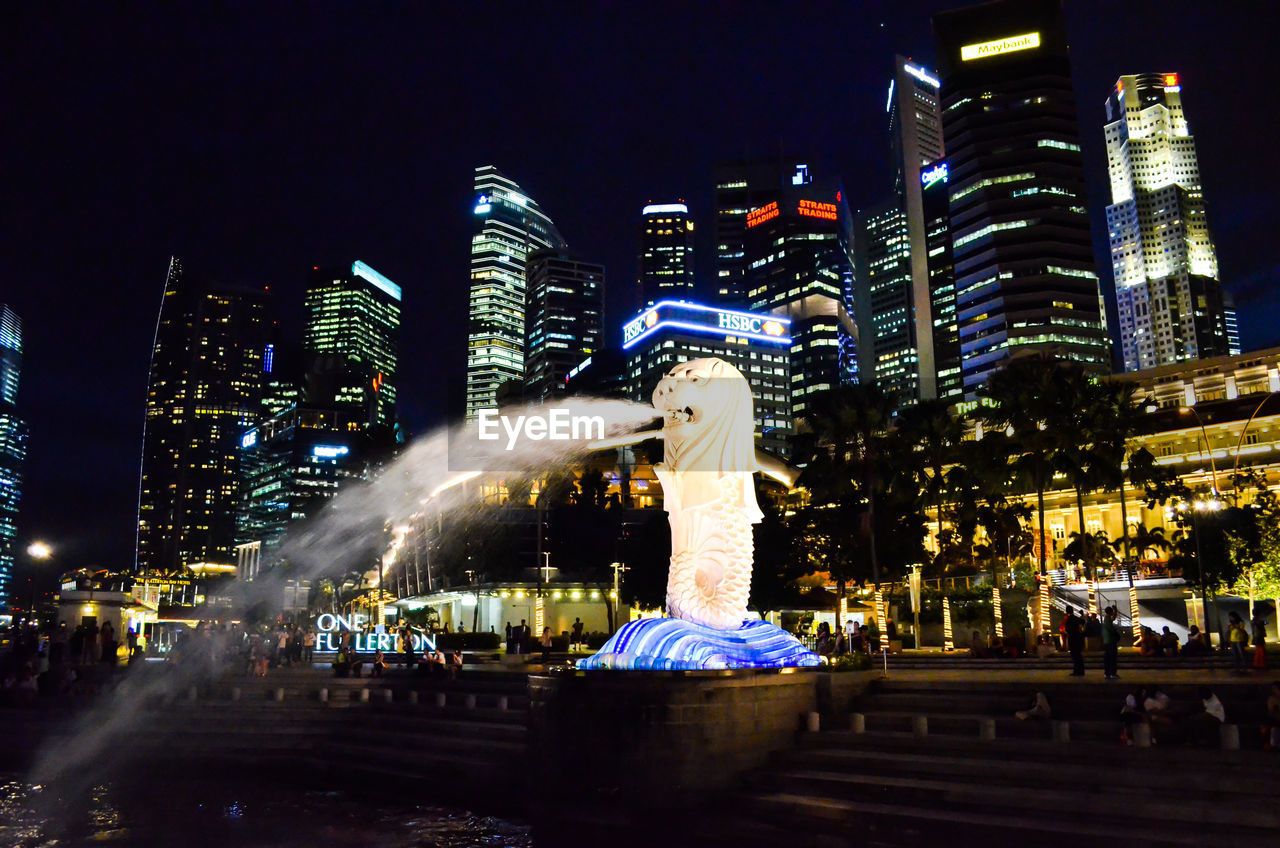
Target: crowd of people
x: 62, y: 660
x: 1151, y: 715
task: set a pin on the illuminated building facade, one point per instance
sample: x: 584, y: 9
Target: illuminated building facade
x: 1168, y: 296
x: 756, y: 344
x: 13, y: 446
x: 942, y: 283
x: 508, y: 226
x: 799, y: 252
x: 292, y: 465
x: 353, y: 320
x: 740, y: 187
x: 1021, y: 248
x: 898, y: 342
x: 666, y: 253
x: 205, y: 386
x: 564, y: 319
x: 889, y: 352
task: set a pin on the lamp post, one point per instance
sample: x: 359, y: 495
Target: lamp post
x: 1196, y: 507
x: 37, y: 552
x: 1208, y: 449
x: 1235, y: 468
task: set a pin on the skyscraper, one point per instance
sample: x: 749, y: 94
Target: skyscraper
x: 564, y: 319
x: 740, y: 187
x: 1023, y: 258
x: 799, y: 265
x: 1168, y: 296
x: 890, y: 343
x: 509, y: 225
x: 942, y: 283
x: 13, y: 446
x: 666, y: 254
x: 898, y: 337
x: 353, y: 317
x: 204, y: 388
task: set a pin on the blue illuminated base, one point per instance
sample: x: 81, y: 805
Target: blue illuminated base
x: 665, y: 644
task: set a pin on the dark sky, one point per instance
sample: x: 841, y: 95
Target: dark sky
x: 258, y: 139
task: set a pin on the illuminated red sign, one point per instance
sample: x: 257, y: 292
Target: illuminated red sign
x: 1171, y: 79
x: 764, y: 213
x: 814, y: 209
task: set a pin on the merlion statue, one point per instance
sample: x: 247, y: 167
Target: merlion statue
x: 709, y: 495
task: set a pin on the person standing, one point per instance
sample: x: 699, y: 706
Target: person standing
x: 546, y: 643
x: 1110, y: 645
x: 1239, y: 638
x: 1259, y: 626
x: 577, y: 633
x: 1073, y: 629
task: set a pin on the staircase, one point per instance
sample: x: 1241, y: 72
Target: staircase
x: 919, y: 773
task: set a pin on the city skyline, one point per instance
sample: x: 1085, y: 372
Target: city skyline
x: 97, y: 227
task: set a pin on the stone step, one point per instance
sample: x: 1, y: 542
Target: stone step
x: 908, y: 824
x: 383, y: 740
x: 427, y: 735
x: 968, y: 724
x: 478, y: 759
x: 1019, y: 762
x: 1209, y: 760
x: 1116, y: 801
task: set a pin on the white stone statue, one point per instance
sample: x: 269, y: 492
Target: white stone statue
x: 706, y: 474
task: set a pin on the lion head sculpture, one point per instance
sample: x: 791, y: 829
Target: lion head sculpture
x: 708, y: 426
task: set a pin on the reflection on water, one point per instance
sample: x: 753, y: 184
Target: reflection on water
x: 231, y: 813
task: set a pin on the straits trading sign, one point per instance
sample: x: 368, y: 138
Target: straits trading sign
x: 987, y: 49
x: 329, y: 627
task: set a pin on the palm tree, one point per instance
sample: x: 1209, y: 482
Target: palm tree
x: 1144, y: 540
x: 933, y: 434
x: 1027, y: 404
x: 843, y: 436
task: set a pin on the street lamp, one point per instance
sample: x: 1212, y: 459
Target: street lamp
x: 1235, y: 468
x: 1199, y: 506
x: 38, y: 552
x: 1208, y: 449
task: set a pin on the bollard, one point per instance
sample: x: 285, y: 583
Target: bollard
x: 857, y: 722
x: 471, y: 702
x: 440, y: 698
x: 986, y: 728
x: 503, y: 703
x: 1230, y: 736
x: 386, y: 696
x: 1141, y: 734
x: 279, y: 694
x: 920, y: 725
x: 1061, y: 731
x: 193, y: 693
x: 324, y: 696
x: 364, y: 696
x: 235, y: 693
x: 813, y: 722
x: 413, y: 697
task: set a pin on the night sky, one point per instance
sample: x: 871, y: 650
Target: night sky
x: 255, y: 140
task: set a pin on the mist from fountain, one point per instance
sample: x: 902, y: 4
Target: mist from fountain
x: 436, y: 476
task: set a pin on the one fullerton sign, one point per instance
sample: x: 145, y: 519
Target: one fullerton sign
x: 986, y: 49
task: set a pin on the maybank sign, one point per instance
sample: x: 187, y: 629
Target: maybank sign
x: 695, y: 317
x: 986, y: 49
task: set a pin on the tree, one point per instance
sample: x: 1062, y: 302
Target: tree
x: 1143, y: 540
x: 933, y: 435
x: 1255, y: 549
x: 843, y: 437
x: 1027, y: 403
